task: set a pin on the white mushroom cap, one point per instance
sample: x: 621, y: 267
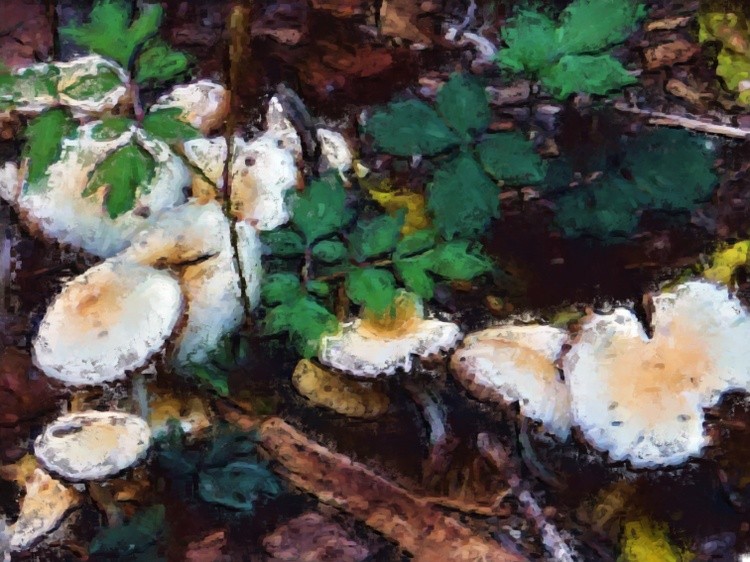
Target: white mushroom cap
x: 89, y: 66
x: 360, y: 348
x: 92, y: 445
x: 58, y: 209
x: 335, y: 153
x: 642, y: 399
x: 209, y: 156
x: 517, y: 364
x: 204, y: 104
x: 107, y: 322
x: 278, y: 123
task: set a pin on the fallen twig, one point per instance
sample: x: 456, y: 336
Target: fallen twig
x: 418, y: 527
x: 658, y: 118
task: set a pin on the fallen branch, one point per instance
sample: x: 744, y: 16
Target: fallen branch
x: 418, y: 527
x: 658, y: 118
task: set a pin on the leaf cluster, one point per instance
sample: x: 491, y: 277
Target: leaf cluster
x: 571, y: 54
x: 732, y: 31
x: 134, y: 540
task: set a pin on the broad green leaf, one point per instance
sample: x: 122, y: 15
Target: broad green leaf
x: 458, y: 261
x: 462, y: 102
x: 110, y: 128
x: 214, y: 377
x: 143, y: 530
x: 530, y: 40
x: 590, y: 26
x: 160, y: 63
x: 372, y: 288
x: 605, y: 213
x: 278, y: 288
x: 283, y: 243
x: 166, y: 124
x: 462, y: 198
x: 320, y: 209
x: 593, y: 74
x: 93, y: 86
x: 410, y: 127
x: 413, y: 274
x: 304, y: 320
x: 44, y: 135
x: 319, y: 288
x: 329, y: 251
x: 510, y: 157
x: 411, y: 244
x: 375, y: 237
x: 126, y: 172
x: 238, y: 485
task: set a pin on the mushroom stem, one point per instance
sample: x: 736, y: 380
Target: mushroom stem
x: 139, y: 394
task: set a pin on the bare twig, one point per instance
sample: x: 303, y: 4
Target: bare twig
x: 658, y: 118
x: 417, y: 526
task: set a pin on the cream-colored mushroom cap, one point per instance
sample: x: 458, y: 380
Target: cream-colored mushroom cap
x: 517, y: 364
x: 204, y: 104
x: 108, y: 321
x: 92, y: 445
x: 641, y: 399
x: 335, y: 153
x: 370, y: 346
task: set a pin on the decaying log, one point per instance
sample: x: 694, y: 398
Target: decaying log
x: 418, y: 527
x: 658, y: 118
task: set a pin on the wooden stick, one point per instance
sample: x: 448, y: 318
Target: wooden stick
x: 416, y: 526
x: 658, y: 118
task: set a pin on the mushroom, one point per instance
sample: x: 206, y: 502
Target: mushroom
x: 512, y: 363
x: 204, y: 104
x: 375, y: 345
x: 335, y: 153
x: 344, y: 396
x: 641, y: 398
x: 92, y: 445
x: 106, y: 322
x: 57, y: 208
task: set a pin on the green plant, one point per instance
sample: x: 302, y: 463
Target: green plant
x: 328, y: 248
x: 731, y: 30
x: 571, y: 55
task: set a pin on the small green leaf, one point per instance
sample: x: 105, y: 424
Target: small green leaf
x: 410, y: 127
x: 415, y: 243
x: 278, y: 288
x: 590, y: 26
x: 593, y: 74
x: 126, y: 172
x: 320, y: 210
x: 606, y: 213
x: 372, y: 288
x: 464, y: 105
x: 462, y: 198
x: 212, y: 376
x: 166, y: 124
x: 283, y: 243
x: 238, y: 485
x: 319, y: 288
x: 530, y: 40
x: 304, y: 320
x: 93, y: 86
x: 458, y: 261
x: 413, y: 274
x: 160, y: 63
x: 110, y: 128
x: 44, y: 135
x: 510, y: 157
x: 329, y: 251
x: 375, y: 237
x: 143, y: 530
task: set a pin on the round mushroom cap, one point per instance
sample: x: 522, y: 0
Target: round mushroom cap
x: 204, y: 104
x: 92, y: 445
x: 106, y: 322
x: 511, y: 363
x: 641, y: 399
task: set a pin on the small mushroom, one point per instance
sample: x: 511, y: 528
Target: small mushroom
x: 106, y: 322
x: 517, y: 364
x: 204, y: 104
x: 373, y: 345
x: 641, y: 399
x: 209, y: 156
x: 335, y: 153
x: 92, y: 445
x: 337, y: 392
x: 42, y: 509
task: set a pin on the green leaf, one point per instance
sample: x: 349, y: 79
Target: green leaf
x: 44, y: 136
x: 283, y: 243
x: 109, y: 32
x: 593, y: 74
x: 110, y: 128
x: 510, y: 157
x: 590, y: 26
x: 94, y: 86
x: 319, y: 288
x: 372, y: 288
x: 410, y: 127
x: 304, y: 320
x: 530, y: 40
x: 459, y: 261
x: 212, y: 376
x: 320, y: 210
x: 329, y: 251
x: 143, y: 530
x: 166, y: 124
x: 413, y: 274
x: 238, y: 485
x: 463, y: 103
x: 606, y: 214
x: 278, y: 288
x: 160, y: 63
x: 34, y: 84
x: 415, y: 243
x: 126, y: 172
x: 375, y: 237
x: 462, y: 198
